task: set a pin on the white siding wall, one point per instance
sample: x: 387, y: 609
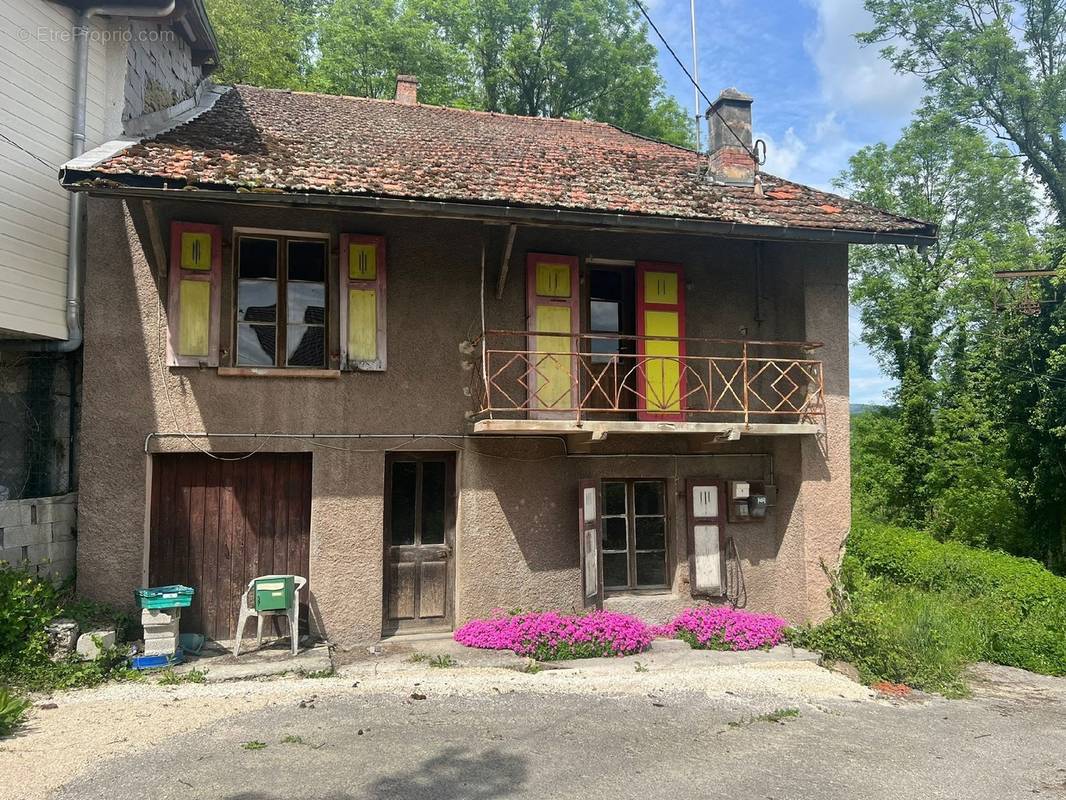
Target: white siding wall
x: 37, y: 54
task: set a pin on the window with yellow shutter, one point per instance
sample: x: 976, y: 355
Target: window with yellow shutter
x: 362, y: 306
x: 193, y: 294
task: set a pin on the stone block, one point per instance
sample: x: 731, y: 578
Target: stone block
x: 159, y: 616
x: 37, y: 553
x: 161, y: 647
x: 62, y: 551
x: 62, y: 637
x: 59, y: 570
x: 22, y: 535
x: 12, y: 555
x: 10, y: 513
x: 87, y: 646
x: 161, y: 631
x: 63, y: 531
x: 55, y: 510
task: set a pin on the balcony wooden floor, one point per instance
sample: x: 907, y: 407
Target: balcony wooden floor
x: 599, y: 429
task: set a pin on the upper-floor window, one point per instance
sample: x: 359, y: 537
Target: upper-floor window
x: 281, y: 301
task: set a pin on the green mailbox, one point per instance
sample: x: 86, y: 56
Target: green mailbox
x: 274, y: 594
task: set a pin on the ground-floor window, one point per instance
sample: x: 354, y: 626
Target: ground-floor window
x: 634, y: 534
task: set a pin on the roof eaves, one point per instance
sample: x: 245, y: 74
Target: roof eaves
x: 158, y: 187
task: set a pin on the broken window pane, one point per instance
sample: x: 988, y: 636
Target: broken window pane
x: 258, y: 258
x: 307, y: 261
x: 306, y: 346
x: 256, y: 345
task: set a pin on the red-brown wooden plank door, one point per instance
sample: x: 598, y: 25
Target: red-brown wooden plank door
x: 216, y: 524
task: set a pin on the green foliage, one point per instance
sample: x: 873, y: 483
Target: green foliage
x: 443, y: 661
x: 995, y: 64
x: 168, y: 677
x: 12, y: 711
x: 262, y: 42
x: 253, y: 745
x: 561, y: 58
x: 919, y: 611
x: 27, y: 605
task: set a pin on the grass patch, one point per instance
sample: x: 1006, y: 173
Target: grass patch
x: 914, y: 611
x: 443, y: 661
x: 292, y: 738
x: 321, y: 673
x: 254, y: 745
x: 168, y: 677
x: 418, y: 658
x: 638, y: 667
x: 12, y: 711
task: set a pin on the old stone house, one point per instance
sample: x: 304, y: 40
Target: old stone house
x: 442, y: 362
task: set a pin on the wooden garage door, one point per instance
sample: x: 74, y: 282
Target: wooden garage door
x: 218, y: 524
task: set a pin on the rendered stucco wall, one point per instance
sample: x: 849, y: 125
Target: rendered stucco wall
x: 516, y: 542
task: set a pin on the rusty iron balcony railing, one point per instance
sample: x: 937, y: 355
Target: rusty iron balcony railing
x: 541, y: 376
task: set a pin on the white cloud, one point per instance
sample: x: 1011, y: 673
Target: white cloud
x: 782, y: 158
x: 854, y: 76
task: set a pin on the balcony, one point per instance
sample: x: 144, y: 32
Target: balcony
x: 533, y: 382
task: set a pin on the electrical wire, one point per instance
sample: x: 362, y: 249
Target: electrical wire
x: 34, y: 156
x: 692, y: 80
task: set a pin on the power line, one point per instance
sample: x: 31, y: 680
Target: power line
x: 35, y: 157
x: 693, y: 81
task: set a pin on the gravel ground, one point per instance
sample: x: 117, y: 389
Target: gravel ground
x: 602, y: 729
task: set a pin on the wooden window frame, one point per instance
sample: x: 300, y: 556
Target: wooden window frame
x: 281, y: 321
x: 631, y: 536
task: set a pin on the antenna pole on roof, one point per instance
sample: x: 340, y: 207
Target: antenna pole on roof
x: 695, y: 70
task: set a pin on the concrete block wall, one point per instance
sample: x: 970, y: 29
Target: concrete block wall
x: 40, y: 534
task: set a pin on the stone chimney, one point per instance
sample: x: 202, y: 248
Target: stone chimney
x: 407, y: 90
x: 729, y: 126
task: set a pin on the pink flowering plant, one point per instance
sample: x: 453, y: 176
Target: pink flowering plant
x: 552, y: 636
x: 721, y: 628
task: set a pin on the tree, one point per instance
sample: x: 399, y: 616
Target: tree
x: 560, y: 58
x: 262, y: 42
x: 913, y: 302
x: 989, y: 63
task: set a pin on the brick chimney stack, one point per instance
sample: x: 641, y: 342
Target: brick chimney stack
x: 407, y: 90
x: 730, y: 138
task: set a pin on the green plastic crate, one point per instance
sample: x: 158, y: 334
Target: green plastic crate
x: 274, y: 594
x: 176, y: 596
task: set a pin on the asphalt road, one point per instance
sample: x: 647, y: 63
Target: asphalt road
x: 1009, y: 741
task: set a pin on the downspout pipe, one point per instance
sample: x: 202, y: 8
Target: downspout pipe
x: 76, y: 214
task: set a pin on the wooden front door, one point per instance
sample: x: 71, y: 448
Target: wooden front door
x: 216, y: 524
x: 419, y: 541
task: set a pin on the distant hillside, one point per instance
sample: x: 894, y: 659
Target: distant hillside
x: 859, y: 408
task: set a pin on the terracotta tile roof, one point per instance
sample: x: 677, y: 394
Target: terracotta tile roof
x: 299, y: 142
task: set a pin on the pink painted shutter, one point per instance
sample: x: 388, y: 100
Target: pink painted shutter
x: 194, y: 294
x: 590, y: 544
x: 552, y: 295
x: 362, y: 302
x: 661, y: 312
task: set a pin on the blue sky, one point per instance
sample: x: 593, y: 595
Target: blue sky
x: 819, y: 96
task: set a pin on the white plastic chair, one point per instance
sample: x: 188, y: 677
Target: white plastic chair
x: 292, y: 614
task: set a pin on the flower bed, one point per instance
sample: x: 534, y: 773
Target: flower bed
x: 719, y: 628
x: 551, y: 636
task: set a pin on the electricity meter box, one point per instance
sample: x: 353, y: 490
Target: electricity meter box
x: 750, y: 500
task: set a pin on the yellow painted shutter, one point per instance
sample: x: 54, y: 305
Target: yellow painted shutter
x: 362, y: 261
x: 661, y: 313
x: 193, y: 305
x: 551, y: 299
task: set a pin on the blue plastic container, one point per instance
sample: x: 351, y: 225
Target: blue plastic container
x: 176, y: 596
x: 158, y: 662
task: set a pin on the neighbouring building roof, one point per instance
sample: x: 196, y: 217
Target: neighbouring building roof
x: 294, y: 142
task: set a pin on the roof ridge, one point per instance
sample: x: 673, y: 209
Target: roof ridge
x: 457, y: 109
